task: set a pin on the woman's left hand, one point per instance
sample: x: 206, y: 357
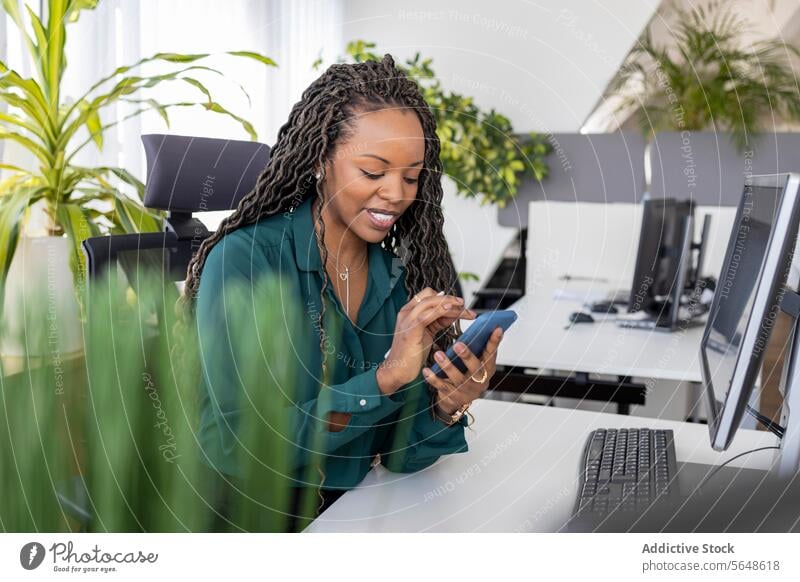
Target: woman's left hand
x: 460, y: 388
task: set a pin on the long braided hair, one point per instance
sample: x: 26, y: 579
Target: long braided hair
x: 317, y: 123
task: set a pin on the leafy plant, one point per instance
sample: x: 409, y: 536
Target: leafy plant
x: 108, y: 443
x: 54, y: 129
x: 480, y: 151
x: 713, y: 77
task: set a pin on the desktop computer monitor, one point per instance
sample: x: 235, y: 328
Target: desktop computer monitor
x: 662, y: 261
x: 747, y: 300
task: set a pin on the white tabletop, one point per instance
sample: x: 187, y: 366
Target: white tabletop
x: 520, y: 474
x: 539, y: 339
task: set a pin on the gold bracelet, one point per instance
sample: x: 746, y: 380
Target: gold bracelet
x: 452, y: 419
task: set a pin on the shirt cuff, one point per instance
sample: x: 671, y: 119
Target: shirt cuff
x: 359, y: 394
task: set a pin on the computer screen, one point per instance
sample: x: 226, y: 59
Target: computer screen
x: 659, y: 253
x: 747, y: 299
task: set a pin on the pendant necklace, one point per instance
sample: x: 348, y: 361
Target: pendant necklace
x: 345, y: 277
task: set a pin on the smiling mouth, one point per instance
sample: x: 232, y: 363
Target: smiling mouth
x: 382, y: 219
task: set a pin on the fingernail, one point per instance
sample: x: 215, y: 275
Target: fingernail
x: 426, y: 372
x: 447, y: 305
x: 460, y: 348
x: 440, y: 293
x: 439, y: 356
x: 459, y: 299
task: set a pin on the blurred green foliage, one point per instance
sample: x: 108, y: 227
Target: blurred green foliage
x: 108, y: 443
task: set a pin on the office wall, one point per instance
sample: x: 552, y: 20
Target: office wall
x: 710, y: 169
x: 600, y: 168
x: 705, y: 166
x: 543, y: 64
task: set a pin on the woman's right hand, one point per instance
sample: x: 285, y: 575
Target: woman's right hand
x: 414, y: 330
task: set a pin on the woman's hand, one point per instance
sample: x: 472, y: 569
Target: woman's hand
x: 417, y: 323
x: 462, y: 388
x: 443, y: 322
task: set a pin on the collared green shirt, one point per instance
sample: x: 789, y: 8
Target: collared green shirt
x: 399, y: 427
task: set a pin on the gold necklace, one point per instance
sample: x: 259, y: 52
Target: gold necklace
x: 345, y: 277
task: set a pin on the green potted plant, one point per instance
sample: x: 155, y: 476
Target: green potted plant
x: 710, y: 77
x: 76, y: 201
x: 480, y: 150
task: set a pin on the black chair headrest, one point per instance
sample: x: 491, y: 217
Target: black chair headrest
x: 200, y: 174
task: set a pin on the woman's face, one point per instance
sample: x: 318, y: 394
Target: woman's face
x: 372, y: 178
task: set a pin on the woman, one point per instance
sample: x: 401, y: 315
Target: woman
x: 348, y: 213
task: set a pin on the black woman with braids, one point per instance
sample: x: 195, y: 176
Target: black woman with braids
x: 348, y: 214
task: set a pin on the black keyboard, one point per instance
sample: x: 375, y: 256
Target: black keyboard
x: 624, y: 471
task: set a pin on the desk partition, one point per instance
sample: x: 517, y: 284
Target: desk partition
x: 599, y: 168
x: 710, y: 169
x: 594, y: 243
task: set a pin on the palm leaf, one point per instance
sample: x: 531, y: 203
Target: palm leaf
x: 154, y: 105
x: 74, y: 8
x: 125, y: 86
x: 255, y: 56
x: 78, y: 227
x: 42, y: 154
x: 168, y: 57
x: 11, y: 210
x: 12, y: 9
x: 134, y: 218
x: 30, y: 90
x: 93, y: 124
x: 12, y: 168
x: 125, y: 176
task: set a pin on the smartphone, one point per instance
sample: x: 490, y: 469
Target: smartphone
x: 477, y: 336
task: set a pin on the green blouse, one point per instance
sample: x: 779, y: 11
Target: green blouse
x: 400, y: 427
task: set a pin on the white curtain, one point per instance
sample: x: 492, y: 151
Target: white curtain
x: 298, y: 33
x: 294, y: 33
x: 3, y: 43
x: 11, y: 53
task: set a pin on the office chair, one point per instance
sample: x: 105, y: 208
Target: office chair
x: 184, y: 175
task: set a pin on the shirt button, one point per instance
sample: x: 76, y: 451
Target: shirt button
x: 363, y: 402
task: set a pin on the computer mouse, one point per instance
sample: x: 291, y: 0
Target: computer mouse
x: 604, y: 307
x: 581, y: 317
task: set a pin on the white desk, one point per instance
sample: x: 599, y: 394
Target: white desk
x: 539, y: 340
x: 599, y: 241
x: 520, y: 474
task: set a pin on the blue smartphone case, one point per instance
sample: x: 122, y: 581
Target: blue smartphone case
x: 477, y: 336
